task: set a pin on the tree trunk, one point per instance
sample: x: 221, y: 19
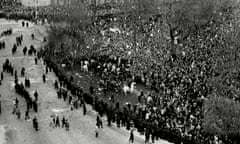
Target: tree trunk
x: 172, y: 38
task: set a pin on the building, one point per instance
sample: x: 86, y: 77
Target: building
x: 61, y: 2
x: 33, y: 3
x: 47, y: 2
x: 100, y: 2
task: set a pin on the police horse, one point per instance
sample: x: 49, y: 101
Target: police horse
x: 130, y: 89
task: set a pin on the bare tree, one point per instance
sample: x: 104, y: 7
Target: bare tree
x: 221, y: 117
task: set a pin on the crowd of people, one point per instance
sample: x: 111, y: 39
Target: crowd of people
x: 21, y: 88
x: 6, y: 32
x: 182, y: 84
x: 57, y: 123
x: 6, y: 4
x: 176, y: 111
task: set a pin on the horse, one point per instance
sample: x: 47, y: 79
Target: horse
x: 132, y: 89
x: 85, y: 68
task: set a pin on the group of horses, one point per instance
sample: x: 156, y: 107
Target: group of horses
x: 126, y: 88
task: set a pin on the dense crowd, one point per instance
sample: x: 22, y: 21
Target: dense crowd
x: 182, y: 85
x: 8, y: 4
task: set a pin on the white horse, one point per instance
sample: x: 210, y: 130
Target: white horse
x: 84, y: 66
x: 132, y: 90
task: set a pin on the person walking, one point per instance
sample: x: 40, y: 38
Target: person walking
x: 35, y: 123
x: 36, y: 61
x: 96, y: 131
x: 44, y: 78
x: 67, y: 125
x: 18, y: 113
x: 46, y: 69
x: 84, y: 109
x: 99, y: 122
x: 63, y: 122
x: 131, y: 138
x: 32, y: 36
x: 36, y: 95
x: 1, y: 76
x: 0, y: 105
x: 57, y: 122
x: 27, y: 117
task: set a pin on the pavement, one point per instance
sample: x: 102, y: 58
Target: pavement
x: 20, y: 131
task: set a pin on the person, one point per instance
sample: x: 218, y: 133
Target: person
x: 96, y: 131
x: 147, y: 136
x: 70, y: 99
x: 46, y: 69
x: 23, y: 23
x: 35, y: 106
x: 57, y: 122
x: 56, y: 84
x: 36, y: 95
x: 18, y: 113
x: 99, y: 122
x: 53, y: 121
x: 44, y: 78
x: 24, y: 50
x: 0, y: 105
x: 67, y: 125
x: 44, y: 39
x: 111, y: 99
x: 16, y: 102
x: 27, y: 117
x: 36, y: 60
x: 23, y: 72
x: 1, y: 76
x: 91, y: 90
x: 15, y: 74
x: 63, y: 122
x: 32, y: 36
x: 84, y: 109
x: 131, y: 138
x: 35, y: 123
x: 109, y: 118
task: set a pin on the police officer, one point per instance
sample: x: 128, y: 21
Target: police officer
x: 44, y: 78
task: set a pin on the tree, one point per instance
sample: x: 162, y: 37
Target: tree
x: 221, y: 116
x: 186, y: 17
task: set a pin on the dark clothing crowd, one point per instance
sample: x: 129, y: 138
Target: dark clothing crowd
x: 7, y: 32
x: 175, y: 113
x: 181, y: 85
